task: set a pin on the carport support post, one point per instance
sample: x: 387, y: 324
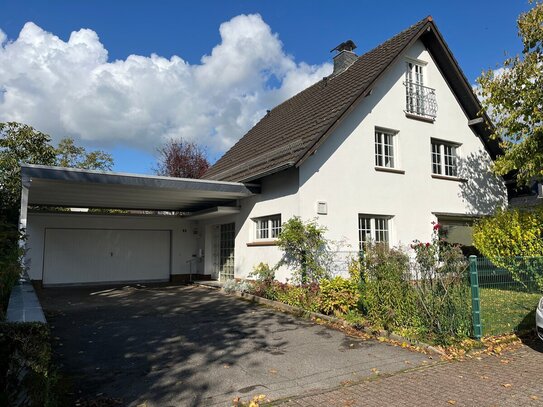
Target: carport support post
x: 475, y: 298
x: 23, y: 215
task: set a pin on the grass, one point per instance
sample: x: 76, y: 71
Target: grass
x: 504, y: 311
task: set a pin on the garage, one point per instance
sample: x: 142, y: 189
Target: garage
x: 142, y: 228
x: 76, y: 256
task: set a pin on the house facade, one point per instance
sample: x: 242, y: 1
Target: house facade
x: 389, y: 143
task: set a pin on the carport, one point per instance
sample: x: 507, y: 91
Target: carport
x: 143, y: 244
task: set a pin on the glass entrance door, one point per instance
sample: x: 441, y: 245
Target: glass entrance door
x: 226, y: 252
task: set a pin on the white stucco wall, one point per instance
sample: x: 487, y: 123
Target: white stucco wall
x: 184, y: 242
x: 279, y: 195
x: 342, y: 172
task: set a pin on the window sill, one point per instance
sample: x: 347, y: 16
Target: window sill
x: 262, y: 243
x: 448, y: 178
x: 414, y: 116
x: 392, y: 170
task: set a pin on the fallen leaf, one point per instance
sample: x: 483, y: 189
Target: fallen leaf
x: 453, y: 402
x: 534, y: 397
x: 273, y: 371
x: 507, y: 385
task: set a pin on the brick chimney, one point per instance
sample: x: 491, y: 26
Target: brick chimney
x: 345, y: 56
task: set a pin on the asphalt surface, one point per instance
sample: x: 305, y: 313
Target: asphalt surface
x: 193, y: 346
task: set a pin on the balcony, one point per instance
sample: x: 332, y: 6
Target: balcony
x: 420, y: 101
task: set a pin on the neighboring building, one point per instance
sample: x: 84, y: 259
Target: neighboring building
x: 387, y: 144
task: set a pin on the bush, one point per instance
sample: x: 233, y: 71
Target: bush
x: 509, y: 235
x: 338, y: 296
x: 10, y: 262
x: 263, y: 273
x: 232, y: 286
x: 26, y: 365
x: 302, y: 296
x: 387, y: 296
x: 441, y: 284
x: 305, y: 250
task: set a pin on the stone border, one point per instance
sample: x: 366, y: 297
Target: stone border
x: 300, y: 312
x: 24, y: 305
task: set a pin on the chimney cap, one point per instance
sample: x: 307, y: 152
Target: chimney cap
x: 348, y: 45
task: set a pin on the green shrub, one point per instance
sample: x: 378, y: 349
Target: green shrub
x: 441, y: 284
x: 510, y: 235
x: 387, y: 296
x: 303, y: 296
x: 26, y: 365
x: 10, y: 262
x: 305, y: 250
x: 338, y: 296
x: 263, y: 273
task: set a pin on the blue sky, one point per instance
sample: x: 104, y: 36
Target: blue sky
x: 287, y: 48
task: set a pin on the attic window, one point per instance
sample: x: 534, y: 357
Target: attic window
x: 420, y: 100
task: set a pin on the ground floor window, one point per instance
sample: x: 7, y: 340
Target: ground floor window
x: 267, y: 227
x: 373, y: 228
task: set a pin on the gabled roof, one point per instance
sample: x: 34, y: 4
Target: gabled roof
x: 293, y: 130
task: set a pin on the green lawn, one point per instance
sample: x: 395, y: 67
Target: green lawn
x: 505, y: 311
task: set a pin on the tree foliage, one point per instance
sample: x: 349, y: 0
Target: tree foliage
x: 182, y: 159
x: 22, y: 144
x: 510, y: 233
x: 513, y: 239
x: 72, y: 156
x: 514, y: 98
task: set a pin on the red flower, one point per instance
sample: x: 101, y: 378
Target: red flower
x: 427, y: 244
x: 437, y: 226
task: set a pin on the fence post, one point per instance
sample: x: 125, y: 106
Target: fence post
x: 475, y: 298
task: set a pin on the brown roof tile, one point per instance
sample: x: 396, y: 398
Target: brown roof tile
x: 290, y: 130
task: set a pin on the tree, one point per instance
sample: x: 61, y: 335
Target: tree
x: 72, y: 156
x: 182, y: 159
x: 513, y: 96
x: 22, y: 144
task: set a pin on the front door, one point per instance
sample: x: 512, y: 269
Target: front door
x: 226, y: 252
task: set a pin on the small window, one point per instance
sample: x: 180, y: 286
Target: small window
x: 267, y: 227
x: 372, y: 228
x: 384, y: 148
x: 444, y: 158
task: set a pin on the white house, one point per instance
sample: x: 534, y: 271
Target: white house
x: 387, y: 144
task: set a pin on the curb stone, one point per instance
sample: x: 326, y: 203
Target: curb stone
x: 300, y: 312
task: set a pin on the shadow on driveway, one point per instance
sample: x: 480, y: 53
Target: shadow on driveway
x: 191, y: 346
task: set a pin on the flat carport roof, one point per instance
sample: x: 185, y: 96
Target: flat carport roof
x: 69, y: 187
x: 76, y: 188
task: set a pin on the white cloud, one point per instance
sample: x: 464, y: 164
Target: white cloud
x: 71, y: 88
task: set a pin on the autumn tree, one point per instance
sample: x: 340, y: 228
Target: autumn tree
x: 182, y: 159
x: 513, y: 96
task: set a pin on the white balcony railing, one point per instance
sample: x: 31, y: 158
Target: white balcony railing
x: 420, y: 100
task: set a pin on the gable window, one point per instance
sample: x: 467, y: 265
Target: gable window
x: 267, y: 227
x: 420, y: 100
x: 444, y: 158
x: 384, y: 148
x: 373, y: 228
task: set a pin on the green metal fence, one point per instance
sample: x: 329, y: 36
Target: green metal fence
x: 505, y: 293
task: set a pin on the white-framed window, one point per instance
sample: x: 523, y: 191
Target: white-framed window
x: 420, y: 100
x: 267, y: 227
x: 373, y: 228
x: 385, y: 148
x: 444, y: 158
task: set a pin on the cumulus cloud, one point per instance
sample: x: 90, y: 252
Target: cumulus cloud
x: 71, y: 88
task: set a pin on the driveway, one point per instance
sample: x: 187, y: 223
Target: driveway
x: 191, y: 346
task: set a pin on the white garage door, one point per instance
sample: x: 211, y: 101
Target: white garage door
x: 102, y: 255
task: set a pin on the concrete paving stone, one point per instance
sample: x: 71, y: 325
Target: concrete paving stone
x: 189, y: 346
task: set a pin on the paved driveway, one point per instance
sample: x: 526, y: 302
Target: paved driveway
x: 192, y: 346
